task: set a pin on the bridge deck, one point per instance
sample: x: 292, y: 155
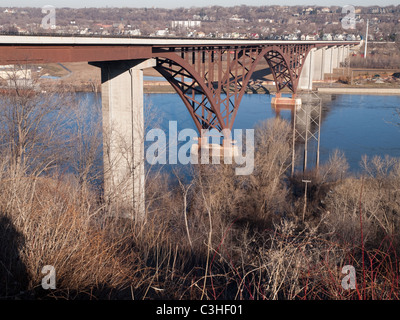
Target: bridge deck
x: 163, y: 42
x: 47, y: 49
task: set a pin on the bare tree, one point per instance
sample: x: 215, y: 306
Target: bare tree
x: 33, y: 124
x: 86, y: 151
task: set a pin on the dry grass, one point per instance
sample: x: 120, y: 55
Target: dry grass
x: 218, y: 236
x: 377, y: 60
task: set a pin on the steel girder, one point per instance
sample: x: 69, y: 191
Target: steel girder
x: 211, y: 81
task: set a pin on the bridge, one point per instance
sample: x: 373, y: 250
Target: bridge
x: 209, y: 75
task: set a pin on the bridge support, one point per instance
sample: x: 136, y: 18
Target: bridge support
x: 285, y: 102
x: 320, y: 62
x: 307, y: 73
x: 327, y: 58
x: 123, y: 134
x: 335, y: 57
x: 318, y: 67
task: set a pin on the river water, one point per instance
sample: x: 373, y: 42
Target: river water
x: 355, y: 124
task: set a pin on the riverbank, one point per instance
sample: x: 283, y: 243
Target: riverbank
x: 82, y: 77
x: 352, y: 90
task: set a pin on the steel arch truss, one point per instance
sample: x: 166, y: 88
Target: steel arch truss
x: 280, y: 70
x: 211, y: 81
x: 286, y: 63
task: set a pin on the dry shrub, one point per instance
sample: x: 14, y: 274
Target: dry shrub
x: 293, y: 262
x: 273, y: 156
x: 55, y: 222
x: 378, y: 60
x: 322, y: 180
x: 96, y: 254
x: 295, y: 259
x: 344, y: 80
x: 335, y: 169
x: 282, y: 263
x: 216, y: 196
x: 372, y: 198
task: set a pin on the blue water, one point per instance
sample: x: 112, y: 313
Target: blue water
x: 355, y: 124
x: 50, y: 77
x: 159, y: 78
x: 361, y: 125
x: 153, y: 78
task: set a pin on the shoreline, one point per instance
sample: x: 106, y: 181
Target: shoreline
x: 159, y: 87
x: 81, y: 77
x: 166, y: 88
x: 364, y: 90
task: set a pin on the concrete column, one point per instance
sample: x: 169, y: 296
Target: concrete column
x: 323, y: 62
x: 317, y: 64
x: 340, y: 55
x: 123, y: 134
x: 327, y: 65
x: 307, y: 72
x: 346, y: 53
x: 334, y: 57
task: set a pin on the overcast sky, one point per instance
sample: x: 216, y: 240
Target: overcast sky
x: 187, y: 3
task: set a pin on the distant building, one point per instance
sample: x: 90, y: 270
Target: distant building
x: 186, y: 24
x: 200, y: 34
x: 338, y: 37
x: 104, y: 26
x: 199, y: 17
x: 308, y: 10
x: 236, y: 18
x: 312, y: 37
x: 15, y: 76
x: 135, y: 32
x: 161, y: 33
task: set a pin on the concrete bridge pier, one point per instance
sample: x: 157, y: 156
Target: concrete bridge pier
x: 335, y: 58
x: 327, y: 65
x: 320, y: 62
x: 307, y: 72
x: 279, y: 102
x: 318, y: 66
x: 123, y: 135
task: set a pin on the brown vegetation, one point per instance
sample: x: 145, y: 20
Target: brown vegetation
x: 218, y: 236
x: 377, y: 61
x: 379, y: 56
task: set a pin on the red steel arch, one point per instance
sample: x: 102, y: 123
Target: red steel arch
x: 211, y: 81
